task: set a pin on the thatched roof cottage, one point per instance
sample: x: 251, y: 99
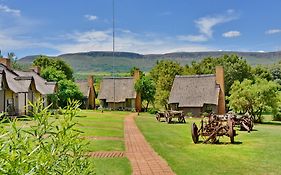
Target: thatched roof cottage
x: 89, y: 93
x: 199, y: 93
x: 18, y: 88
x: 118, y: 93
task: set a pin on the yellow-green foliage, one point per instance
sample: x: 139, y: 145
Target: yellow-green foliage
x: 44, y: 147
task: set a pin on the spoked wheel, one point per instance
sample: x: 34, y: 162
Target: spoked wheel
x: 251, y: 125
x: 158, y: 117
x: 231, y: 132
x: 194, y: 133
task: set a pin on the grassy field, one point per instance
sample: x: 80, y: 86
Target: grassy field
x: 97, y: 124
x: 258, y: 152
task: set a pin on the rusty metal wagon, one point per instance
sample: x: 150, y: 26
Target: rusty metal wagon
x: 213, y: 127
x: 170, y: 114
x: 159, y: 115
x: 246, y: 122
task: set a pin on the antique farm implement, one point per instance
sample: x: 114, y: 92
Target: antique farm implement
x: 159, y: 115
x: 213, y: 127
x: 245, y: 122
x: 169, y: 115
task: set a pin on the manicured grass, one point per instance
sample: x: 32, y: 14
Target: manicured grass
x: 109, y: 124
x: 98, y: 124
x: 105, y: 145
x: 258, y: 152
x: 112, y: 166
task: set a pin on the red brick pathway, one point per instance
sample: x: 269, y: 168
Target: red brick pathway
x: 143, y: 158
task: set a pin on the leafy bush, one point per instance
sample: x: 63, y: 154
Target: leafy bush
x: 46, y: 147
x: 152, y: 110
x: 68, y: 90
x: 277, y: 117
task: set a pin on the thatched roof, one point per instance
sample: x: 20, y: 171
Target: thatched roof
x: 84, y: 87
x: 15, y: 84
x: 41, y: 84
x: 124, y: 89
x: 194, y: 91
x: 19, y: 81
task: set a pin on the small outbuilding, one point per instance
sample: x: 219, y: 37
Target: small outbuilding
x: 88, y: 90
x: 199, y: 93
x: 118, y: 93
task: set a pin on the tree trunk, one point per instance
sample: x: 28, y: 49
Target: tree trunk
x: 146, y: 106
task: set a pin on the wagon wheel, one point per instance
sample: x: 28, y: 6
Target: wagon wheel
x: 181, y: 119
x: 251, y: 125
x: 167, y: 117
x: 170, y: 120
x: 231, y: 132
x: 194, y: 133
x: 158, y: 117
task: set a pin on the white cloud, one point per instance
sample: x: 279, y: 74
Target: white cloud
x: 91, y: 17
x: 12, y: 43
x: 231, y: 34
x: 125, y: 41
x: 90, y: 36
x: 6, y: 9
x: 193, y: 38
x: 273, y: 31
x: 206, y: 25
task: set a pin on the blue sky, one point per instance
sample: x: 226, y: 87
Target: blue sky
x: 54, y: 27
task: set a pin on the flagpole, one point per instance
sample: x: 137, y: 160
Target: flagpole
x: 113, y: 50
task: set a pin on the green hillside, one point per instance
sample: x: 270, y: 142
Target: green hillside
x: 87, y: 62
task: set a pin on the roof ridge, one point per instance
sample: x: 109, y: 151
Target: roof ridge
x: 118, y: 77
x: 195, y: 76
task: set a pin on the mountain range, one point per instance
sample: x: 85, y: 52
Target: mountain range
x: 104, y: 61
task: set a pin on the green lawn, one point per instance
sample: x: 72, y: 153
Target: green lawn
x: 98, y: 124
x: 258, y: 152
x: 110, y: 124
x: 112, y: 166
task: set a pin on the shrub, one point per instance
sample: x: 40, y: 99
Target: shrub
x: 277, y: 117
x: 152, y: 110
x: 46, y: 147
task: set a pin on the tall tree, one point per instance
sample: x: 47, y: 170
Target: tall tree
x: 163, y: 74
x: 68, y: 90
x: 235, y: 68
x: 53, y: 74
x: 54, y: 69
x: 57, y: 63
x: 254, y: 96
x: 146, y: 87
x: 42, y: 61
x: 262, y: 72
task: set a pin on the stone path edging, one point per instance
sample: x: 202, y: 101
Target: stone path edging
x: 106, y: 154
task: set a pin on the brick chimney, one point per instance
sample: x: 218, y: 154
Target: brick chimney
x: 36, y: 69
x: 6, y: 62
x: 92, y: 95
x: 220, y: 81
x: 138, y: 97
